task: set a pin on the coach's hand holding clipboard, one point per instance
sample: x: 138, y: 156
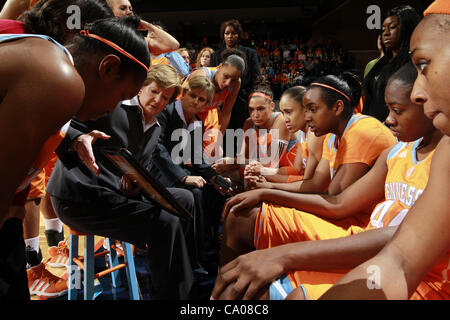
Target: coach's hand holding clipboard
x: 129, y: 187
x: 134, y: 173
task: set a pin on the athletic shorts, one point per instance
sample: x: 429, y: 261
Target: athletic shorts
x: 277, y: 225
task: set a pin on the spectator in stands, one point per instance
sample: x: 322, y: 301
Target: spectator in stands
x: 184, y: 53
x: 204, y: 57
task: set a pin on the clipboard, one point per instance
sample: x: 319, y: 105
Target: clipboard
x: 151, y: 188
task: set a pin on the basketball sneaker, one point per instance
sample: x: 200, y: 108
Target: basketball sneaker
x: 45, y: 284
x: 59, y: 255
x: 34, y: 275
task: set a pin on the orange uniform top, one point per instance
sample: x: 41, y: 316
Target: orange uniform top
x: 264, y: 139
x: 161, y: 59
x: 406, y: 179
x: 48, y: 148
x: 363, y: 140
x: 302, y: 138
x: 288, y: 158
x: 45, y: 155
x: 32, y: 3
x: 329, y: 150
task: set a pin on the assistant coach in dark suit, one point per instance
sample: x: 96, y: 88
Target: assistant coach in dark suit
x: 179, y: 158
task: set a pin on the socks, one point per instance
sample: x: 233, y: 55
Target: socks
x: 53, y: 224
x: 33, y: 243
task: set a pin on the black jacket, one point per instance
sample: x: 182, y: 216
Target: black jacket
x: 164, y: 168
x: 374, y: 85
x: 74, y: 181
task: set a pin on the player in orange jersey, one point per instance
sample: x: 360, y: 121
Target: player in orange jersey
x: 360, y: 138
x: 260, y: 131
x: 226, y: 78
x: 87, y: 86
x: 171, y: 57
x: 394, y: 183
x: 329, y: 103
x: 300, y: 160
x: 419, y: 251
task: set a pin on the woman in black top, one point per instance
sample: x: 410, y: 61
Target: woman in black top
x: 231, y: 33
x: 395, y: 34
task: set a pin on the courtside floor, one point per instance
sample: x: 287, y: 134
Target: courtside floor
x: 142, y: 272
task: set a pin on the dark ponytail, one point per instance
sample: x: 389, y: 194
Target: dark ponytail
x: 355, y: 85
x: 122, y: 32
x: 262, y: 85
x: 296, y: 93
x: 347, y: 88
x: 49, y: 17
x: 228, y: 56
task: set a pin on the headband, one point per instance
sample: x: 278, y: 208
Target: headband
x: 114, y: 46
x: 438, y: 7
x: 260, y: 94
x: 330, y: 87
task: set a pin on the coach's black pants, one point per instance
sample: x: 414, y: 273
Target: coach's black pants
x: 170, y: 241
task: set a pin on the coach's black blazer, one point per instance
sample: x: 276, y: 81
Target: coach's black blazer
x: 74, y: 181
x: 164, y: 168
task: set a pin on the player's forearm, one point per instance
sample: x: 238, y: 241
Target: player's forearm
x: 302, y: 186
x: 224, y: 120
x: 277, y: 178
x: 158, y: 40
x: 379, y: 278
x: 319, y: 204
x: 286, y: 186
x: 13, y: 9
x: 334, y: 254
